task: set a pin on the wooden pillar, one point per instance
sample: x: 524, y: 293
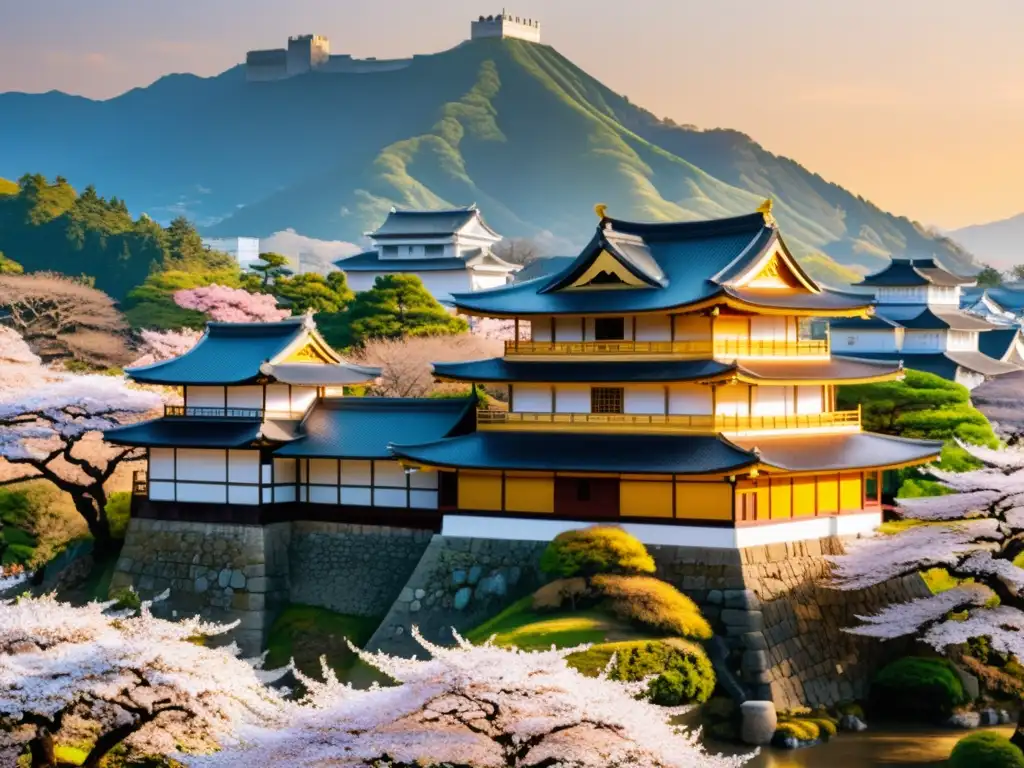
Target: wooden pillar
x: 517, y: 334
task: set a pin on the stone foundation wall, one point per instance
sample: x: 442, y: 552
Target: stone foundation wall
x: 353, y: 569
x: 458, y: 583
x: 224, y: 573
x: 783, y: 628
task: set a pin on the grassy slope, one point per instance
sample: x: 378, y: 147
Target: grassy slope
x: 306, y: 633
x: 8, y: 187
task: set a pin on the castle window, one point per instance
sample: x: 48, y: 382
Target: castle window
x: 609, y: 328
x: 433, y: 251
x: 389, y: 251
x: 606, y: 399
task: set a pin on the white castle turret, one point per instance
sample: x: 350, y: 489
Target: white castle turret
x: 505, y: 25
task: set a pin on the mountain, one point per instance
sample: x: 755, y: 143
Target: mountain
x: 512, y: 126
x: 999, y: 243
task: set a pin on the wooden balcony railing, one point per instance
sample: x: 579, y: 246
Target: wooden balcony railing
x: 214, y: 412
x: 140, y: 484
x: 728, y: 348
x: 642, y: 422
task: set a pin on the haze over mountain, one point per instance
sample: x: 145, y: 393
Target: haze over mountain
x: 997, y: 243
x: 512, y: 126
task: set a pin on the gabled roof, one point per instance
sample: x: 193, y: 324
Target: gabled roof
x: 943, y: 364
x: 915, y: 272
x: 566, y: 452
x: 362, y: 427
x: 628, y: 250
x: 371, y: 261
x: 234, y: 353
x: 419, y: 223
x: 998, y: 343
x: 543, y: 267
x: 1007, y: 298
x: 202, y: 433
x: 681, y: 264
x: 953, y: 319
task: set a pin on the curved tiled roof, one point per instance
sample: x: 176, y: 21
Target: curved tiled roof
x: 362, y: 427
x: 566, y: 452
x: 997, y: 343
x: 420, y: 223
x: 694, y: 262
x: 860, y: 450
x: 199, y: 432
x: 505, y: 370
x: 915, y: 272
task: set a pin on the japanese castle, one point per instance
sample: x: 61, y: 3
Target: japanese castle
x: 664, y: 380
x: 918, y: 319
x: 449, y: 250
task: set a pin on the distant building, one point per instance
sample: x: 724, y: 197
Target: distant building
x: 449, y: 250
x: 918, y: 318
x: 312, y: 53
x: 505, y: 25
x: 246, y: 250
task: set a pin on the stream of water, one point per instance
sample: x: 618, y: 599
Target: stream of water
x: 922, y: 748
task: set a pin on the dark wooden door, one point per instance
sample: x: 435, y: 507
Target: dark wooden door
x: 596, y: 497
x: 447, y: 490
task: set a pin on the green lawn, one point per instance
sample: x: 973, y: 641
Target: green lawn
x: 521, y: 626
x: 306, y: 633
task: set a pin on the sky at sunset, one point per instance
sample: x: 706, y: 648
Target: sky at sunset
x: 917, y: 105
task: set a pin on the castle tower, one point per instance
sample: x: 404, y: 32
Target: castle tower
x: 505, y: 25
x: 307, y: 52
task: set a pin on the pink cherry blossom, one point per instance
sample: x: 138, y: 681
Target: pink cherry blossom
x: 231, y: 305
x: 157, y: 346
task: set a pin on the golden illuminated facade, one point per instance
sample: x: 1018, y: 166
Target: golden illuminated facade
x: 667, y: 380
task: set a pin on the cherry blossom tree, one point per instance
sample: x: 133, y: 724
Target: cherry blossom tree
x: 975, y: 533
x: 140, y: 678
x: 231, y: 305
x: 48, y: 429
x: 473, y: 707
x: 157, y: 346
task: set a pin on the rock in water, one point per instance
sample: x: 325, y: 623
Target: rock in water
x: 759, y: 722
x: 852, y: 723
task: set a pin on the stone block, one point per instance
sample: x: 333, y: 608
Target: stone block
x: 258, y: 584
x: 474, y: 574
x: 237, y: 580
x: 462, y: 598
x: 755, y: 661
x: 746, y: 621
x: 716, y: 597
x: 969, y: 682
x: 741, y: 598
x: 759, y: 721
x: 755, y: 641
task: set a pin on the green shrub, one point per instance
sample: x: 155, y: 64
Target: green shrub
x: 591, y: 551
x: 127, y: 599
x: 985, y: 750
x: 827, y: 727
x: 654, y: 604
x: 682, y: 671
x: 554, y: 595
x: 719, y: 708
x: 917, y: 688
x: 801, y: 730
x: 17, y: 554
x: 119, y: 513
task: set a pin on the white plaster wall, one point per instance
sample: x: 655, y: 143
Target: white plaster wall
x: 246, y: 494
x: 388, y: 474
x: 769, y: 328
x: 905, y: 295
x: 962, y: 340
x: 568, y: 329
x: 809, y: 399
x: 653, y: 328
x: 360, y: 281
x: 390, y: 497
x: 969, y: 379
x: 204, y: 397
x: 483, y: 280
x: 244, y: 466
x: 161, y: 491
x: 323, y: 494
x: 644, y: 399
x: 923, y: 341
x: 323, y: 472
x: 773, y: 401
x: 423, y: 499
x: 864, y: 341
x: 277, y: 397
x: 302, y: 398
x: 161, y: 464
x: 948, y: 296
x: 539, y: 329
x: 284, y: 494
x: 572, y: 398
x: 356, y: 497
x: 531, y: 398
x: 208, y: 494
x: 244, y: 397
x: 423, y: 481
x: 355, y: 472
x: 284, y: 471
x: 691, y: 399
x: 532, y: 529
x: 204, y: 465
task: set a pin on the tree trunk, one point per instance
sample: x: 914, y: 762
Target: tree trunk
x: 41, y: 749
x: 111, y: 739
x: 99, y: 526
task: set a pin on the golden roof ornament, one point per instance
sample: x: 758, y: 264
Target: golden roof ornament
x: 766, y: 210
x: 601, y: 210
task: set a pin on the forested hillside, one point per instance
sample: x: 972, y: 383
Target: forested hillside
x: 512, y: 126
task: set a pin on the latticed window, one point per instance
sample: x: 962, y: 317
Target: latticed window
x: 606, y: 400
